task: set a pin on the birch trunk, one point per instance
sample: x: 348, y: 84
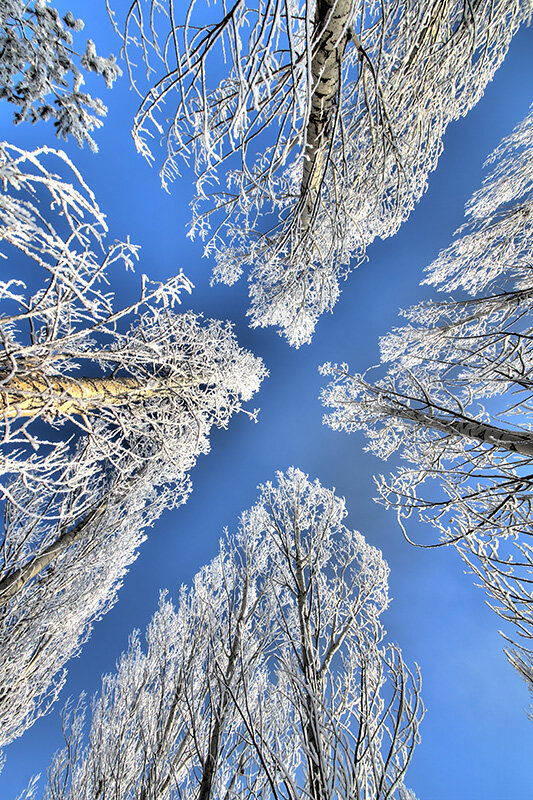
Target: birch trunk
x: 37, y: 393
x: 502, y: 439
x: 329, y: 43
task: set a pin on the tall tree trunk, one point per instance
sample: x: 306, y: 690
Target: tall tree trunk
x: 37, y: 393
x: 59, y: 395
x: 502, y: 439
x: 428, y: 31
x: 311, y: 687
x: 514, y: 442
x: 213, y: 754
x: 34, y: 393
x: 329, y: 41
x: 16, y: 580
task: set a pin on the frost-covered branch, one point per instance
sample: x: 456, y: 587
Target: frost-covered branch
x: 312, y: 126
x: 103, y: 412
x: 269, y: 678
x: 455, y: 393
x: 39, y: 70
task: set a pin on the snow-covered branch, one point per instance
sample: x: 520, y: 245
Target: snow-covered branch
x: 269, y: 678
x: 103, y: 412
x: 39, y: 72
x: 312, y: 126
x: 454, y: 395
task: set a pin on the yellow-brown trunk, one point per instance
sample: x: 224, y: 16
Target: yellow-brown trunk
x: 64, y: 396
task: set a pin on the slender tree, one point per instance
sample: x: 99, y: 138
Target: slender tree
x: 269, y: 679
x: 57, y: 580
x: 354, y: 706
x: 135, y: 392
x: 320, y: 132
x: 166, y: 723
x: 39, y: 71
x: 456, y: 396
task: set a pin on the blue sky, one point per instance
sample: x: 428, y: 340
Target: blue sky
x: 476, y: 739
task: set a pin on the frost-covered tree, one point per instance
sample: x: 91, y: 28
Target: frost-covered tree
x: 58, y: 579
x: 39, y: 70
x: 269, y: 679
x: 103, y: 412
x: 167, y: 723
x: 353, y: 704
x: 455, y: 399
x: 143, y: 382
x: 312, y: 126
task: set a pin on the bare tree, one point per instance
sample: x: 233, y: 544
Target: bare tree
x: 354, y: 706
x: 38, y: 63
x: 167, y: 723
x: 135, y: 392
x: 58, y: 579
x: 268, y: 680
x: 455, y: 399
x: 320, y: 133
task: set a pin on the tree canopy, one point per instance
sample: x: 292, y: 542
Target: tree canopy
x: 455, y: 395
x: 312, y: 126
x: 135, y: 392
x: 269, y: 677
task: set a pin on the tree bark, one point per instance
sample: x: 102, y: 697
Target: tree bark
x: 521, y: 443
x: 37, y: 393
x: 512, y: 441
x: 58, y: 395
x: 330, y: 38
x: 14, y: 582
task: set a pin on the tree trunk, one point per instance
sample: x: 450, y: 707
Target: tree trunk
x: 502, y: 439
x: 329, y: 42
x: 512, y: 441
x: 37, y: 393
x: 311, y: 687
x: 428, y: 31
x: 64, y: 396
x: 211, y: 762
x: 508, y: 302
x: 14, y: 582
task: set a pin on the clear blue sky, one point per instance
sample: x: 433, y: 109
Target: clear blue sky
x: 476, y: 739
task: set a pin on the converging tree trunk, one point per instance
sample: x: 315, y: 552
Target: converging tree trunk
x: 506, y: 440
x: 29, y: 395
x: 329, y: 40
x: 224, y: 701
